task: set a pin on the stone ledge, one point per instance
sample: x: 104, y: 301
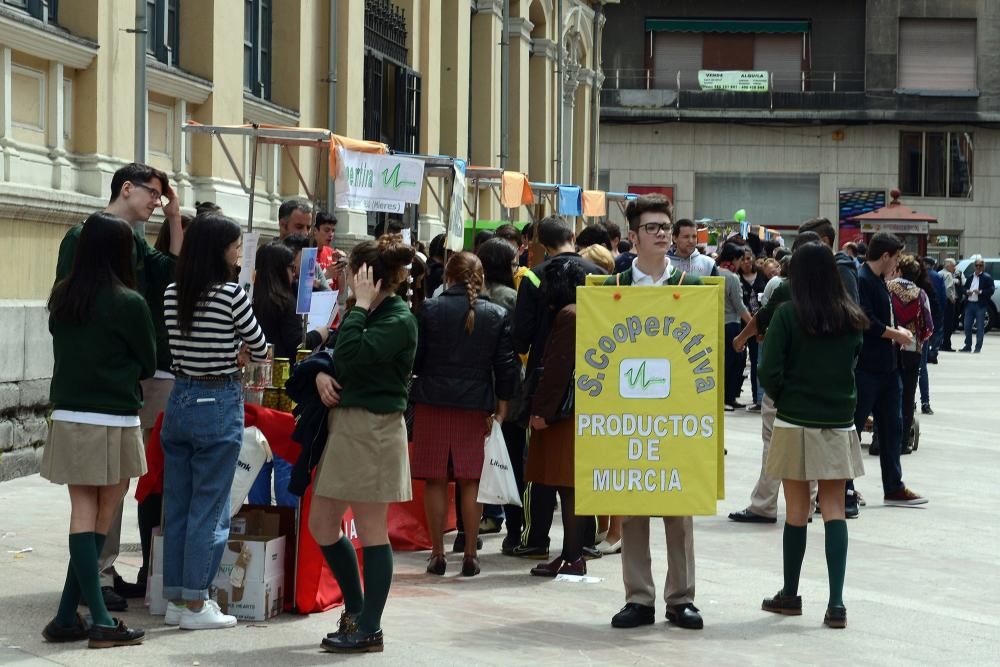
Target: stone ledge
x: 34, y: 394
x: 20, y: 463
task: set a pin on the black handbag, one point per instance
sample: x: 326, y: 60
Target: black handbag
x: 568, y: 404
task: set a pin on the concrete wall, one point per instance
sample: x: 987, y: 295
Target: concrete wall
x: 25, y: 372
x: 865, y: 157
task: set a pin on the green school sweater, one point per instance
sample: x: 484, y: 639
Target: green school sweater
x: 154, y: 270
x: 98, y: 364
x: 374, y: 356
x: 810, y: 378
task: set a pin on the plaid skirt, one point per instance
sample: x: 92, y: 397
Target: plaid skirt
x: 448, y: 442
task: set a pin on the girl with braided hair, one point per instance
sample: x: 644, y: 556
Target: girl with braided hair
x: 465, y: 372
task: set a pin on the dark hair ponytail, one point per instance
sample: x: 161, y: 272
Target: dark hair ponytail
x: 464, y: 268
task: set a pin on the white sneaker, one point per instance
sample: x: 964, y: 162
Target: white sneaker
x: 173, y: 616
x: 608, y: 548
x: 209, y: 617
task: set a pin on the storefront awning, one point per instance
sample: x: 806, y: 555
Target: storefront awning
x: 726, y: 25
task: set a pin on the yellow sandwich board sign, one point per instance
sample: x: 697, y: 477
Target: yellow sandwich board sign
x: 649, y: 424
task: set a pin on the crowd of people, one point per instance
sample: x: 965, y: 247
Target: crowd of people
x: 432, y: 348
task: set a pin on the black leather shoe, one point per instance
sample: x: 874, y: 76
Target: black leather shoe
x: 746, y: 516
x: 510, y: 543
x: 56, y: 633
x: 345, y: 626
x: 632, y: 615
x: 852, y: 510
x: 354, y: 642
x: 112, y: 601
x: 120, y: 635
x: 127, y: 590
x: 836, y: 617
x: 459, y: 545
x: 786, y: 605
x: 685, y: 616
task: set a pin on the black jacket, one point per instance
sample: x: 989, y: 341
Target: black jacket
x: 878, y: 355
x: 283, y: 329
x: 532, y: 318
x: 310, y: 416
x: 460, y: 370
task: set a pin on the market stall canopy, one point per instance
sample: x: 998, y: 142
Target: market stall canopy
x: 895, y: 218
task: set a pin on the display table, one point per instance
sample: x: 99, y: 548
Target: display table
x: 313, y: 584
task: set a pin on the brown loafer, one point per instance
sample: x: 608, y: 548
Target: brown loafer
x: 550, y: 569
x: 577, y: 568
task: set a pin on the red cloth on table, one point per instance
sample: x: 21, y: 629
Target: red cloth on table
x: 315, y: 588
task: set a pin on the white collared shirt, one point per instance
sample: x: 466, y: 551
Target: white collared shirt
x: 974, y: 285
x: 639, y: 278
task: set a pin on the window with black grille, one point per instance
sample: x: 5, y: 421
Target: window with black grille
x: 162, y: 40
x: 43, y: 10
x: 257, y: 19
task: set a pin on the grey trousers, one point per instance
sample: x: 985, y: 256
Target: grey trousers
x: 764, y: 499
x: 637, y: 570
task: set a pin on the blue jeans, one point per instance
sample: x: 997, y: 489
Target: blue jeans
x: 975, y: 310
x: 201, y: 437
x: 260, y: 492
x: 880, y: 395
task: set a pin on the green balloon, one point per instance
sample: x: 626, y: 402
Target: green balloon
x: 740, y: 215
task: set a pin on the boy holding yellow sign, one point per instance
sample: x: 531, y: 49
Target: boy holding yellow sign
x: 649, y: 221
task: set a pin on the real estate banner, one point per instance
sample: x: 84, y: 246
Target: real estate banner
x: 378, y: 182
x: 739, y: 81
x: 649, y: 420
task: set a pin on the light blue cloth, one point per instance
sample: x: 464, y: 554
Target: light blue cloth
x: 570, y: 200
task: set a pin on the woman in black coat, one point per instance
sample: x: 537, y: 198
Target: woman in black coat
x: 465, y: 373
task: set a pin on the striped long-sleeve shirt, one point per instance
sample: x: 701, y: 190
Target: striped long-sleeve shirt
x: 222, y: 321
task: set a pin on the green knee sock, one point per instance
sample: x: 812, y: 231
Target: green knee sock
x: 343, y: 562
x: 793, y: 547
x: 836, y: 559
x: 83, y: 555
x: 70, y: 600
x: 378, y: 579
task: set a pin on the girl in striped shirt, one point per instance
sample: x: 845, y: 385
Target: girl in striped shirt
x: 212, y: 331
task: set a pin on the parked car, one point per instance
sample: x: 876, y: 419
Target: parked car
x: 966, y: 268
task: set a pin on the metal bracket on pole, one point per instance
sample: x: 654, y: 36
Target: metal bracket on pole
x: 253, y: 184
x: 298, y: 172
x: 232, y: 162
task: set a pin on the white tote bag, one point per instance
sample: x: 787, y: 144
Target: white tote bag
x: 254, y: 452
x: 497, y: 485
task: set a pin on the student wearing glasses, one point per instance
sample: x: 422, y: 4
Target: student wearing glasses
x: 137, y: 190
x: 978, y: 292
x: 649, y: 220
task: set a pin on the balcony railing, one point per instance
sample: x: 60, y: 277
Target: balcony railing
x: 646, y: 88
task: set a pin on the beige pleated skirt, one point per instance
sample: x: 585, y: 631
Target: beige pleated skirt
x: 89, y: 455
x: 366, y: 458
x: 814, y: 453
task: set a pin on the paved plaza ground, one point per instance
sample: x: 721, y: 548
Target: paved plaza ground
x: 922, y: 583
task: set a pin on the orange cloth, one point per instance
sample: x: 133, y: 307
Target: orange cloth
x: 352, y: 145
x: 703, y: 236
x: 595, y: 203
x: 515, y: 190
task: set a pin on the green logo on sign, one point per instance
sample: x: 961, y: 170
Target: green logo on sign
x: 637, y: 377
x: 391, y: 179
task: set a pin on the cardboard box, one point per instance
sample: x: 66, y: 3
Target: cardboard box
x: 250, y: 583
